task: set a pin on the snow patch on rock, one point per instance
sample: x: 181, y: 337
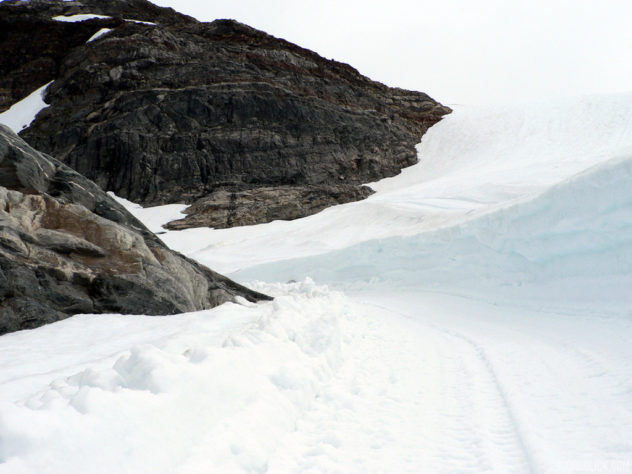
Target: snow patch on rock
x: 98, y: 34
x: 79, y: 17
x: 21, y: 114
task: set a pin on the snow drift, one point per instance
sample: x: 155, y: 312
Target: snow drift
x: 570, y: 246
x: 193, y: 393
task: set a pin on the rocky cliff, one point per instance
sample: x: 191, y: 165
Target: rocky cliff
x: 66, y: 247
x: 34, y: 45
x: 179, y: 110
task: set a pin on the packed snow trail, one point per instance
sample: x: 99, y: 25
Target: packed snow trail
x: 565, y: 380
x: 485, y: 326
x: 409, y: 398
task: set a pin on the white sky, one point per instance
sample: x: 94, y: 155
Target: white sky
x: 458, y: 51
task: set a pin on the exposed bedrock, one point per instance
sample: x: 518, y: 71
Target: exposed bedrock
x: 223, y: 209
x: 66, y: 247
x: 176, y: 111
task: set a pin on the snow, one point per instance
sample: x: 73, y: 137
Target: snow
x: 153, y: 217
x: 570, y: 246
x: 141, y: 22
x: 474, y: 315
x: 92, y: 16
x: 217, y: 379
x: 98, y: 34
x: 474, y: 161
x: 79, y: 17
x: 21, y: 114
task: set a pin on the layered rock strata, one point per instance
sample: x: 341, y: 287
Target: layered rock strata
x: 177, y: 110
x: 34, y: 45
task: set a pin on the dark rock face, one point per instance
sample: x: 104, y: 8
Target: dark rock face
x: 223, y: 209
x: 66, y: 247
x: 174, y: 112
x: 33, y: 45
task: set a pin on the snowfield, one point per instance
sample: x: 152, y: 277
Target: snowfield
x: 474, y: 315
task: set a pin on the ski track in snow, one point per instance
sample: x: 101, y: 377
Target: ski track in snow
x: 485, y: 326
x: 566, y: 397
x: 447, y: 390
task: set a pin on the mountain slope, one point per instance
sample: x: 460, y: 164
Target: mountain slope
x: 173, y: 110
x: 474, y: 162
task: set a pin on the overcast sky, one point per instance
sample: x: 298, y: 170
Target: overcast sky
x: 458, y: 51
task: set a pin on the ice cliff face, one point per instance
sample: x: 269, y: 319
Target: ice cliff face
x: 180, y: 110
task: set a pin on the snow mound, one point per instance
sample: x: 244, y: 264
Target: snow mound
x: 193, y: 389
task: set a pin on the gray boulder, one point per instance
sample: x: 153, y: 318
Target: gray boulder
x: 66, y: 247
x: 222, y: 209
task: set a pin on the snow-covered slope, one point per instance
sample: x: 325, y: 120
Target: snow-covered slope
x: 474, y: 161
x: 484, y: 326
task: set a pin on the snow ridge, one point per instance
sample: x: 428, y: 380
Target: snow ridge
x: 571, y: 246
x: 247, y: 370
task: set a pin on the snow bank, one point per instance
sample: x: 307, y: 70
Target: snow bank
x: 571, y: 246
x: 212, y: 390
x: 22, y: 113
